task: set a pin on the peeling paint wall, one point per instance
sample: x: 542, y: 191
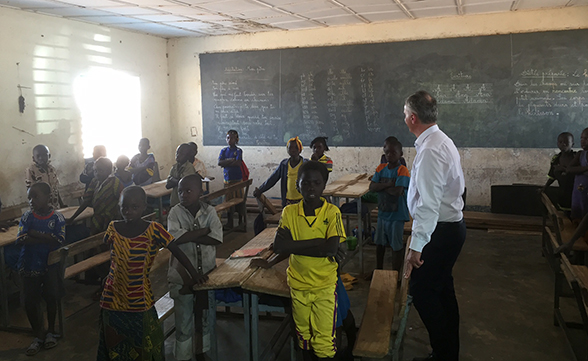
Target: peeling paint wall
x: 52, y: 53
x: 483, y: 167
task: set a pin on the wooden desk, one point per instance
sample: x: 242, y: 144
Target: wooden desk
x: 157, y: 190
x: 9, y: 237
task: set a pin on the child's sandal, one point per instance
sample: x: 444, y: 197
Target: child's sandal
x: 34, y: 347
x: 50, y: 341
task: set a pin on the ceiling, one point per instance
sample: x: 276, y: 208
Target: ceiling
x: 179, y: 18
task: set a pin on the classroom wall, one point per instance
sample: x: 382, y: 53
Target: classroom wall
x: 483, y: 167
x: 52, y: 53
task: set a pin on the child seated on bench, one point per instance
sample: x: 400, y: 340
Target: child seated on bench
x: 41, y: 230
x: 42, y: 171
x: 121, y: 171
x: 287, y: 173
x: 88, y: 173
x: 310, y: 232
x: 182, y: 168
x: 197, y: 231
x: 129, y: 326
x: 391, y: 181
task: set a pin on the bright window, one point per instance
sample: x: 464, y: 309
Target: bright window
x: 110, y: 106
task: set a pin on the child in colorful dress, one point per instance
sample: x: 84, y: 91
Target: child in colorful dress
x: 143, y: 164
x: 129, y: 327
x: 41, y: 230
x: 287, y: 172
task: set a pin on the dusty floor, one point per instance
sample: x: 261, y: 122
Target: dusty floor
x: 503, y: 284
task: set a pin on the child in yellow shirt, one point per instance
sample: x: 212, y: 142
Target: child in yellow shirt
x: 310, y: 232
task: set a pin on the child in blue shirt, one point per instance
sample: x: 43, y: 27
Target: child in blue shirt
x: 41, y: 230
x: 231, y: 160
x: 391, y: 181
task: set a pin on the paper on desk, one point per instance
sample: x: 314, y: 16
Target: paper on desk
x: 251, y: 252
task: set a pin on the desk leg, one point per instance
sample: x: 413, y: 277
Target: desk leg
x: 212, y: 325
x: 360, y: 233
x: 254, y: 327
x: 4, y: 316
x: 247, y: 321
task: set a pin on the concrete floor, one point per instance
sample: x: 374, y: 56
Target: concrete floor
x: 503, y: 284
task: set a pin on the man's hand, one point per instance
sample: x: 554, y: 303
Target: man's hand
x: 413, y: 260
x: 259, y: 262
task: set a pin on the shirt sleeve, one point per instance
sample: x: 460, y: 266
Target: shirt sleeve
x: 285, y: 220
x: 161, y: 237
x: 109, y: 234
x: 552, y: 164
x: 376, y: 177
x: 239, y: 154
x: 429, y: 188
x: 29, y: 178
x: 23, y: 226
x: 335, y: 228
x: 59, y: 230
x: 216, y: 227
x: 403, y: 177
x: 91, y: 188
x: 222, y: 156
x: 174, y: 226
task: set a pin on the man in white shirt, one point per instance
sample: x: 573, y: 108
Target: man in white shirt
x: 438, y: 231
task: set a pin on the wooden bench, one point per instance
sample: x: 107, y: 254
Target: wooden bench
x: 576, y: 277
x: 229, y: 204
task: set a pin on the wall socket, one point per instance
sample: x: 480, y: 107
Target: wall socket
x: 194, y: 131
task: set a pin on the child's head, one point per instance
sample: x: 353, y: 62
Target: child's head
x: 584, y: 139
x: 294, y: 147
x: 232, y: 138
x: 392, y: 150
x: 38, y: 196
x: 41, y: 154
x: 194, y: 148
x: 122, y: 162
x: 183, y: 153
x: 319, y: 146
x: 99, y: 152
x: 102, y: 169
x: 312, y: 179
x: 144, y: 145
x: 565, y: 141
x: 132, y: 203
x: 190, y: 190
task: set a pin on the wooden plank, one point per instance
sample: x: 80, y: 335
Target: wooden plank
x: 373, y: 338
x: 343, y: 182
x: 78, y: 247
x: 228, y: 204
x: 224, y: 191
x: 86, y: 264
x: 69, y: 211
x: 157, y: 189
x: 273, y: 219
x: 271, y: 281
x: 581, y: 273
x: 234, y: 271
x: 9, y: 236
x: 355, y: 190
x: 161, y: 259
x: 164, y: 307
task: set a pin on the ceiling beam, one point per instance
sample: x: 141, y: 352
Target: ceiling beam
x: 351, y: 11
x: 260, y: 2
x: 515, y: 5
x: 404, y: 9
x: 459, y: 4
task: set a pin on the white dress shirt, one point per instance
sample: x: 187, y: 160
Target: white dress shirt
x: 436, y: 185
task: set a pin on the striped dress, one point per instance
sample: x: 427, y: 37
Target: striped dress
x: 129, y: 328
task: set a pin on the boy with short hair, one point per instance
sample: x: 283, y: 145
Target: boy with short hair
x: 42, y: 171
x: 557, y: 171
x: 41, y: 230
x: 181, y: 169
x: 231, y: 160
x: 391, y: 181
x: 102, y: 194
x: 197, y: 231
x: 310, y: 232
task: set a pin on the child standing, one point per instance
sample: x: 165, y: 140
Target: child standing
x: 102, y: 194
x: 198, y: 230
x: 42, y: 171
x: 129, y: 327
x: 391, y: 181
x: 557, y: 171
x: 310, y: 232
x: 319, y: 147
x: 121, y: 171
x: 231, y: 160
x: 143, y: 164
x: 41, y: 230
x: 287, y: 172
x: 197, y: 163
x: 579, y: 167
x: 182, y: 168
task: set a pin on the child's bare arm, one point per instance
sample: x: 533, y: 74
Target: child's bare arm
x: 381, y: 186
x: 36, y: 237
x: 230, y: 162
x: 395, y: 191
x: 80, y: 209
x: 185, y: 262
x: 318, y: 247
x: 271, y: 261
x: 197, y: 236
x: 172, y: 182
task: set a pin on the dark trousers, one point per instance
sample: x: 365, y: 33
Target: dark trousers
x: 431, y: 287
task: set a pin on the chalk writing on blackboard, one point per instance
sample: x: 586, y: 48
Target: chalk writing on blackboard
x: 463, y: 93
x: 339, y: 103
x: 368, y: 99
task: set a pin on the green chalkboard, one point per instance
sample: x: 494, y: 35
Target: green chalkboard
x: 517, y: 90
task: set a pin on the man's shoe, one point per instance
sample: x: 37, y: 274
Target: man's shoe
x: 431, y: 357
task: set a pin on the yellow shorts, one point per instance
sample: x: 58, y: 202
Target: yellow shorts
x: 315, y: 316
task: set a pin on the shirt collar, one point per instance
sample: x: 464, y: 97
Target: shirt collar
x: 198, y: 214
x: 421, y: 139
x: 320, y: 210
